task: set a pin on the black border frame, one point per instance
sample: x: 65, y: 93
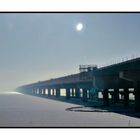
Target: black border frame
x: 98, y: 12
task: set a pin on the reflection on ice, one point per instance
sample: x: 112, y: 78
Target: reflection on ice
x: 10, y: 92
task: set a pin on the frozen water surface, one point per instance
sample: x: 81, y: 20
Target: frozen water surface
x: 18, y: 110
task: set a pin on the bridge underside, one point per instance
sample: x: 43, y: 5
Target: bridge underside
x: 119, y: 76
x: 83, y: 92
x: 119, y: 80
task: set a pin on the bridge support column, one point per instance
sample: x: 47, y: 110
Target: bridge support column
x: 77, y: 92
x: 84, y: 95
x: 137, y: 95
x: 34, y: 91
x: 40, y: 90
x: 72, y: 92
x: 105, y: 97
x: 57, y: 92
x: 91, y: 96
x: 44, y: 91
x: 49, y: 92
x: 37, y: 91
x: 30, y: 91
x: 53, y: 90
x: 67, y: 93
x: 111, y: 94
x: 126, y: 97
x: 116, y: 95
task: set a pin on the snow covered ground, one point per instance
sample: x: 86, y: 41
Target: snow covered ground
x: 18, y: 110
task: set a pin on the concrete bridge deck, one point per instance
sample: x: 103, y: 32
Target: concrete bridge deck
x: 122, y: 75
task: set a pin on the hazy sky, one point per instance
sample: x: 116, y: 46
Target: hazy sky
x: 41, y: 46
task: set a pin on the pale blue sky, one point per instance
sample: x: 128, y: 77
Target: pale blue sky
x: 41, y: 46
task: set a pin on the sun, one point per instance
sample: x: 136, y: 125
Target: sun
x: 79, y: 27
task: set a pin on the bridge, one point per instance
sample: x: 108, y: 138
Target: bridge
x: 123, y: 75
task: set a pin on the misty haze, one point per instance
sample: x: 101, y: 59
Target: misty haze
x: 69, y: 69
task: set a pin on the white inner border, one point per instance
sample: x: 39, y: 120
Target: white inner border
x: 69, y: 5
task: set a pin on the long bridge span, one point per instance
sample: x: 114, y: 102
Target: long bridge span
x: 91, y: 80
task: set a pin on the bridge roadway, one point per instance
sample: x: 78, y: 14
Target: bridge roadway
x: 123, y: 75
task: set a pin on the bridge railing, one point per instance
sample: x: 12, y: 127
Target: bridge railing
x: 120, y: 61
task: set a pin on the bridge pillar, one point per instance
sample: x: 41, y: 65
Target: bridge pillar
x: 137, y: 95
x: 67, y: 93
x: 77, y: 92
x: 72, y: 92
x: 58, y: 92
x: 53, y: 91
x: 49, y: 92
x: 111, y: 94
x: 116, y: 95
x: 30, y: 91
x: 44, y: 91
x: 126, y: 97
x: 121, y: 96
x: 105, y: 97
x: 39, y: 91
x: 84, y: 95
x: 91, y: 95
x: 34, y: 91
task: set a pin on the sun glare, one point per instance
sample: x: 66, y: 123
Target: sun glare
x: 79, y: 26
